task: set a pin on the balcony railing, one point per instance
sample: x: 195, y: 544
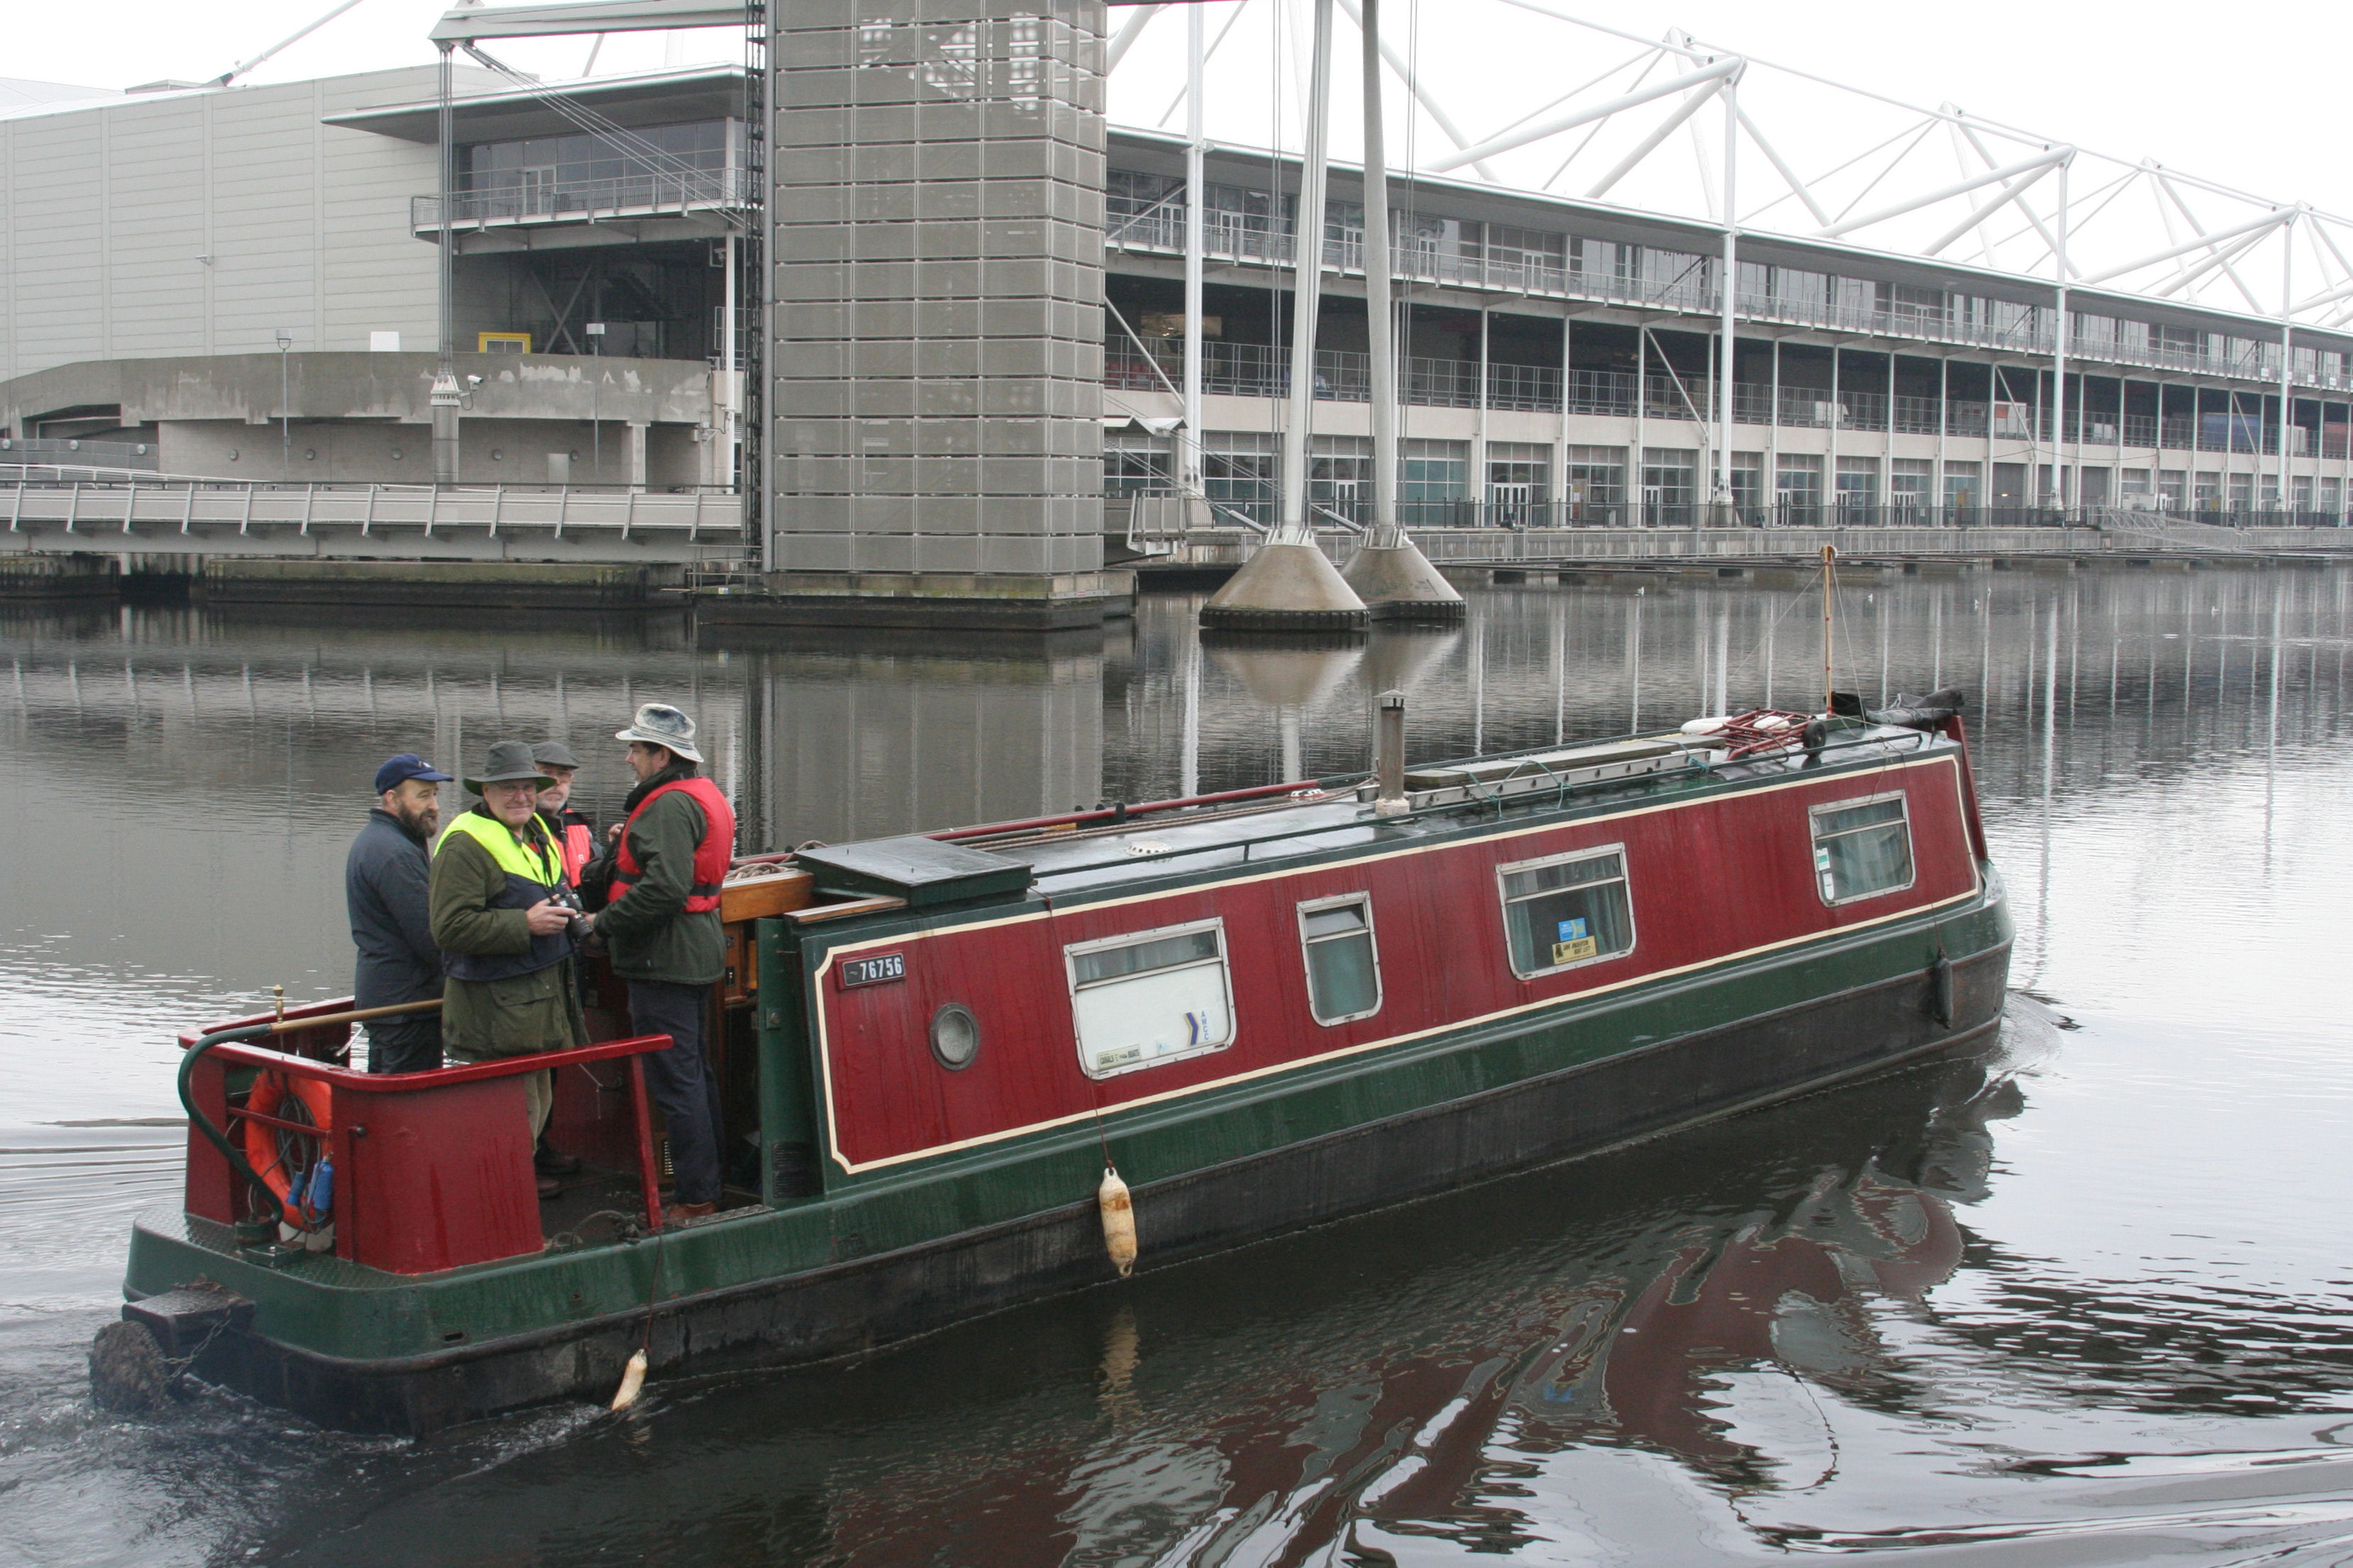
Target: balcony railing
x: 1260, y: 511
x: 547, y: 202
x: 1255, y: 238
x: 1262, y: 370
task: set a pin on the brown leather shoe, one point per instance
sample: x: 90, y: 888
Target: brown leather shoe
x: 549, y: 1187
x: 679, y: 1214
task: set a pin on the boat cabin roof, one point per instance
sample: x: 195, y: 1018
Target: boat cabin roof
x: 1119, y: 847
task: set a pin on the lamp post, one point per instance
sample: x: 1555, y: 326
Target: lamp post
x: 595, y: 395
x: 285, y: 422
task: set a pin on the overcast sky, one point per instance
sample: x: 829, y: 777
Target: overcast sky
x: 2250, y: 97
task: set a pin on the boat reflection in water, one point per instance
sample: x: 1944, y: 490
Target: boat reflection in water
x: 1404, y: 1376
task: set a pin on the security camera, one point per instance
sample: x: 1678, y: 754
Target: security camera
x: 473, y: 381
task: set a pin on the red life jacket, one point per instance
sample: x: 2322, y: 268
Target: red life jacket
x: 712, y: 856
x: 575, y: 840
x: 580, y: 845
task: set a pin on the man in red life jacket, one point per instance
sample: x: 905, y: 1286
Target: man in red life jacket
x: 662, y: 928
x: 575, y: 831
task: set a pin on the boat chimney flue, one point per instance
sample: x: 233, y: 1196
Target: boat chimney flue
x: 1388, y: 756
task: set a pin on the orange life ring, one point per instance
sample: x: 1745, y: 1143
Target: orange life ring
x: 271, y: 1090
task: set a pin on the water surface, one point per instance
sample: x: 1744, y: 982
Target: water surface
x: 2079, y: 1297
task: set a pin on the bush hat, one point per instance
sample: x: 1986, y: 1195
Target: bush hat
x: 554, y: 754
x: 507, y: 762
x: 659, y: 724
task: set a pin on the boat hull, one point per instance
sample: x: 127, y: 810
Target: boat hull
x: 1679, y: 1052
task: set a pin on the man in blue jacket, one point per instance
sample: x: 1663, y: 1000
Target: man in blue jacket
x: 383, y: 884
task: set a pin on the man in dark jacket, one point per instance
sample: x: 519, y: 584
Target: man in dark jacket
x: 573, y: 830
x: 383, y: 887
x: 661, y: 930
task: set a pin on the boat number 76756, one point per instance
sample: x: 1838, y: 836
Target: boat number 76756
x: 873, y: 971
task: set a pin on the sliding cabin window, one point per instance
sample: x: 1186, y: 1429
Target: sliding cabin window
x: 1151, y: 997
x: 1344, y: 968
x: 1861, y: 847
x: 1566, y: 910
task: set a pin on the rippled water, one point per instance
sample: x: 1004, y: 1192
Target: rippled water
x: 2079, y: 1298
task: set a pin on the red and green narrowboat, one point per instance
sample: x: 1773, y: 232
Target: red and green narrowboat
x: 1266, y: 1010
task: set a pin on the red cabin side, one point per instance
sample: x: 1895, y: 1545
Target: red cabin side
x: 1708, y: 879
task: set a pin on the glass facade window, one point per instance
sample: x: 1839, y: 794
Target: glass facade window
x: 1526, y: 250
x: 1340, y: 476
x: 1436, y: 246
x: 1858, y: 483
x: 601, y: 169
x: 1799, y: 290
x: 1137, y: 465
x: 1797, y: 480
x: 1596, y: 483
x: 1909, y: 301
x: 1432, y: 472
x: 1862, y: 849
x: 1238, y: 468
x: 1748, y: 480
x: 1567, y: 911
x: 1128, y: 194
x: 1670, y: 483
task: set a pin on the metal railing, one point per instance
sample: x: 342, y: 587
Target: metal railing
x: 548, y: 202
x: 1254, y: 238
x: 77, y: 453
x: 1918, y: 415
x: 128, y: 512
x: 1262, y: 370
x: 1345, y: 512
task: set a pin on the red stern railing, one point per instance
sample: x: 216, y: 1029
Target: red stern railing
x: 432, y: 1170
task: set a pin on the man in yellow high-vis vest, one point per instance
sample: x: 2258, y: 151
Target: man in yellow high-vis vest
x: 505, y: 940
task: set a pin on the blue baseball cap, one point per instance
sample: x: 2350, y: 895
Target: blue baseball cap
x: 399, y: 770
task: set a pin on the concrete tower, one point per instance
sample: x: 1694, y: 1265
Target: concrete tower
x: 936, y: 353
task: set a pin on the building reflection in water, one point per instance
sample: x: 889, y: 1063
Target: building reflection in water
x: 868, y: 734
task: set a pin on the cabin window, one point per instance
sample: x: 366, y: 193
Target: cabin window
x: 1861, y: 847
x: 1566, y: 910
x: 1150, y: 997
x: 1343, y: 971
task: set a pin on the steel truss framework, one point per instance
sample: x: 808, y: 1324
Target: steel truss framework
x: 1928, y: 184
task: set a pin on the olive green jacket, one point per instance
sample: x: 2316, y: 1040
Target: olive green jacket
x: 647, y: 929
x: 479, y: 1019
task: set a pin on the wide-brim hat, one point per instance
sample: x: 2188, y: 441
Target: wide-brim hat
x: 554, y: 754
x: 659, y: 724
x: 508, y: 761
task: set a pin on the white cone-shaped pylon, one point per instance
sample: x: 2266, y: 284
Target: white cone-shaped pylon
x: 1285, y: 587
x: 1397, y: 581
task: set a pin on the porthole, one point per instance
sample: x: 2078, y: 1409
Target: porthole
x: 955, y: 1036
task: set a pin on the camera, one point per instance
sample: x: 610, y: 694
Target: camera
x: 564, y: 898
